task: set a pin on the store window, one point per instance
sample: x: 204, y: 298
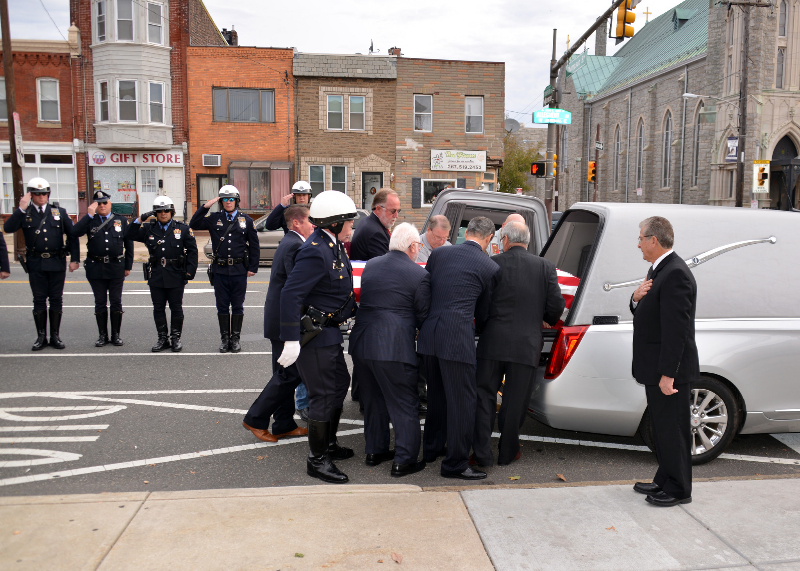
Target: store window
x: 334, y: 112
x: 423, y: 112
x: 126, y: 100
x: 244, y: 105
x: 257, y: 183
x: 56, y: 169
x: 103, y: 101
x: 208, y: 187
x: 339, y: 178
x: 101, y: 21
x: 149, y: 180
x: 155, y: 27
x: 48, y: 99
x: 316, y: 178
x: 473, y: 111
x: 357, y: 113
x: 432, y: 187
x: 125, y: 20
x: 156, y: 102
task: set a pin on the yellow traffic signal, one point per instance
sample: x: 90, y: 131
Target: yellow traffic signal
x: 555, y: 165
x: 625, y: 16
x: 592, y: 171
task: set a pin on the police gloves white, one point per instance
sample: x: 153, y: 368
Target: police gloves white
x: 291, y: 350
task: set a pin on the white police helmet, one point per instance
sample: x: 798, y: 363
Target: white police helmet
x: 38, y: 185
x: 163, y: 203
x: 331, y: 208
x: 301, y: 187
x: 229, y: 191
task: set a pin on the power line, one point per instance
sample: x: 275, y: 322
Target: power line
x: 51, y: 19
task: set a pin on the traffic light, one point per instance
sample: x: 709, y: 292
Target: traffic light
x: 763, y: 176
x: 625, y: 16
x: 539, y: 169
x: 592, y: 176
x: 555, y: 164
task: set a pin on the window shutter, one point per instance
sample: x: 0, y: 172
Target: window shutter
x: 416, y: 192
x: 461, y: 183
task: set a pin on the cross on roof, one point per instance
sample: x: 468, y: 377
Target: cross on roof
x: 647, y: 13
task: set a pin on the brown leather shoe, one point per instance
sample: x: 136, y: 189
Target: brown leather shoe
x: 299, y: 431
x: 263, y: 435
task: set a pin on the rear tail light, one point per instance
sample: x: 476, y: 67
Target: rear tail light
x: 564, y: 348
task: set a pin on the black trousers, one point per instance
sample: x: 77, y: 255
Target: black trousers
x: 229, y: 292
x: 516, y: 395
x: 389, y: 393
x: 47, y: 286
x: 107, y: 289
x: 324, y: 371
x: 671, y: 417
x: 277, y: 398
x: 163, y: 295
x: 451, y: 411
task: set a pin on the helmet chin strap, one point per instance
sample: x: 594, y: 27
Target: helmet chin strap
x: 335, y: 229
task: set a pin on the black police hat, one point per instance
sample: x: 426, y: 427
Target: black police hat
x: 101, y: 197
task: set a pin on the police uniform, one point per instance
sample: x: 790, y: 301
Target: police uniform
x: 237, y: 252
x: 109, y: 254
x: 276, y: 220
x: 4, y: 267
x: 48, y: 237
x: 173, y: 262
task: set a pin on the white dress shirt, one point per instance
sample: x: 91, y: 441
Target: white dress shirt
x: 654, y: 266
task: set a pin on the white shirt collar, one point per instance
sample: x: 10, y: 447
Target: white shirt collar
x: 333, y: 237
x: 299, y: 234
x: 659, y: 260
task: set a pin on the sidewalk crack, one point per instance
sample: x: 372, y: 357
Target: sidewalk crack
x: 718, y: 536
x: 124, y: 528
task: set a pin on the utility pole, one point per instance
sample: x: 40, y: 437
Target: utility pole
x: 16, y: 168
x: 558, y: 147
x: 742, y: 109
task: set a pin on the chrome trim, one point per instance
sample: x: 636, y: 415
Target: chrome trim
x: 695, y: 261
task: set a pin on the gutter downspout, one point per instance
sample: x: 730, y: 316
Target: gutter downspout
x: 683, y: 131
x: 628, y: 145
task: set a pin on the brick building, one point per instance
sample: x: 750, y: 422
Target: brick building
x: 133, y: 68
x: 346, y: 107
x: 44, y: 73
x: 449, y: 129
x: 241, y: 120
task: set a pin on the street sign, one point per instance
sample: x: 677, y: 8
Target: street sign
x: 557, y: 116
x: 18, y: 140
x: 549, y: 95
x: 598, y: 145
x: 760, y: 177
x: 733, y: 148
x: 576, y: 62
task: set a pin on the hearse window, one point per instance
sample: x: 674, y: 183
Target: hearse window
x: 570, y: 246
x: 464, y: 214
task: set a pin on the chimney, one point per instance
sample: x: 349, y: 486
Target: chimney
x: 395, y: 52
x: 231, y: 37
x: 600, y: 38
x: 74, y: 41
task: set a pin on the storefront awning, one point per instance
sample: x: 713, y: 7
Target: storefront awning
x: 275, y: 165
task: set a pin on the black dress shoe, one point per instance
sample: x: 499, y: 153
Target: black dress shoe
x: 375, y: 459
x: 422, y: 409
x: 432, y: 457
x: 664, y: 500
x: 468, y: 474
x: 646, y: 488
x: 400, y: 470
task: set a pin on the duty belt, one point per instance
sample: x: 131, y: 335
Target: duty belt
x: 228, y: 261
x: 163, y: 261
x: 106, y: 259
x: 45, y: 255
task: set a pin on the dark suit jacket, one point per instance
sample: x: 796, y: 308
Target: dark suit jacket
x: 4, y: 267
x: 395, y: 299
x: 370, y: 240
x: 526, y: 293
x: 663, y: 326
x: 462, y: 277
x: 282, y: 265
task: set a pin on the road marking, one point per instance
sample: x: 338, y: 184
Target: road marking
x: 50, y: 457
x: 790, y: 440
x: 152, y: 403
x: 114, y: 354
x: 13, y: 440
x: 5, y: 413
x: 160, y: 460
x: 161, y: 392
x: 126, y: 307
x: 48, y: 428
x: 147, y: 292
x: 762, y: 459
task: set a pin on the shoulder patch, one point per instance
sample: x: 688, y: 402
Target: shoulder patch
x: 314, y: 244
x: 191, y: 233
x: 208, y: 214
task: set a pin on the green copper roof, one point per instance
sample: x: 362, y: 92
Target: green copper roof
x: 591, y: 76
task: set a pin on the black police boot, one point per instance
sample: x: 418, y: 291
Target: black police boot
x: 116, y: 325
x: 175, y: 333
x: 319, y: 464
x: 337, y: 452
x: 102, y: 327
x: 40, y: 320
x: 236, y: 332
x: 224, y: 332
x: 163, y: 335
x: 55, y: 325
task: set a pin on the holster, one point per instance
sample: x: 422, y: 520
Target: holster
x: 23, y: 262
x: 311, y: 324
x: 210, y: 275
x: 147, y: 269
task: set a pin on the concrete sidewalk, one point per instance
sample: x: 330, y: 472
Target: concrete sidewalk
x: 746, y: 524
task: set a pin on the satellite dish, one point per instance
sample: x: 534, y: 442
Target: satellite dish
x: 511, y: 125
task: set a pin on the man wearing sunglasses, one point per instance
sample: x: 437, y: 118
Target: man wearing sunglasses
x: 372, y: 237
x: 236, y: 251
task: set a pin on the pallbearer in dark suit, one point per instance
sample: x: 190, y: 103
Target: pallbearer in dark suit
x: 527, y: 293
x: 48, y: 238
x: 5, y: 268
x: 236, y: 251
x: 109, y: 259
x: 462, y: 278
x: 320, y: 288
x: 301, y: 194
x: 372, y: 237
x: 395, y: 299
x: 665, y: 360
x: 277, y: 398
x: 172, y: 263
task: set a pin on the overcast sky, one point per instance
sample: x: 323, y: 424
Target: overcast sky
x: 517, y: 32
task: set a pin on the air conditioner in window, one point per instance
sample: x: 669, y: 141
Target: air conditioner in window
x: 212, y: 160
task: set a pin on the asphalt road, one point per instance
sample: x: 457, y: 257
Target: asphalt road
x: 88, y: 420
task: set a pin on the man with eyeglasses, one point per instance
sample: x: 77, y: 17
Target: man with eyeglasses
x: 434, y: 237
x: 372, y: 237
x: 235, y: 251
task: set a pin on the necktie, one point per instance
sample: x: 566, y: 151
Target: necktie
x: 230, y: 218
x: 649, y: 273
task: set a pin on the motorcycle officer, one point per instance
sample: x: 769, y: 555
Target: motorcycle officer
x: 172, y: 263
x: 235, y: 248
x: 319, y: 295
x: 301, y: 194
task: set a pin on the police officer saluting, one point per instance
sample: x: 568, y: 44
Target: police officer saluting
x: 319, y: 294
x: 172, y: 263
x: 234, y: 243
x: 48, y: 236
x: 109, y: 260
x: 301, y: 194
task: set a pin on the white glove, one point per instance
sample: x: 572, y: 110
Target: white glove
x: 291, y: 350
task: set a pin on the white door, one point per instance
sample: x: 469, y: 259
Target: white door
x: 175, y: 188
x: 148, y: 189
